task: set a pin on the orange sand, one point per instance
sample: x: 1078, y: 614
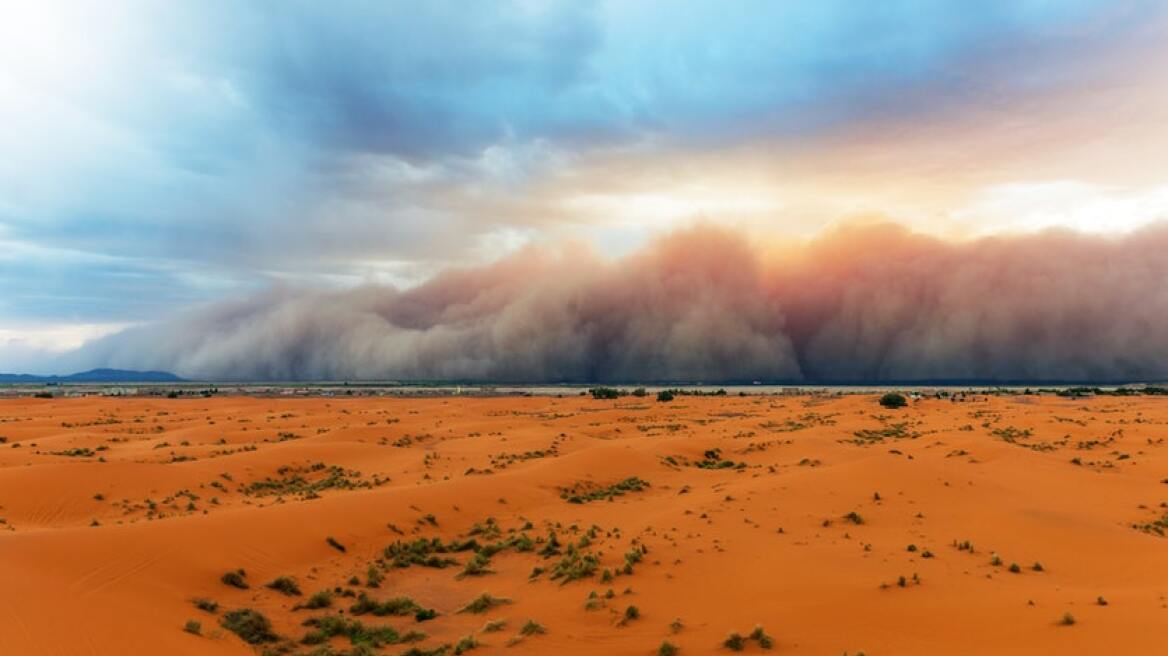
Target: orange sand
x: 717, y: 559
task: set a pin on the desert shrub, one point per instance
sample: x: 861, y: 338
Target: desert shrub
x: 397, y: 606
x: 631, y: 484
x: 494, y: 626
x: 322, y: 599
x: 575, y: 565
x: 205, y: 605
x: 235, y: 578
x: 465, y: 644
x: 760, y: 636
x: 893, y: 400
x: 359, y: 634
x: 1067, y: 619
x: 194, y: 627
x: 531, y: 627
x: 424, y: 552
x: 286, y: 585
x: 664, y: 396
x: 250, y: 625
x: 483, y: 603
x: 551, y: 547
x: 734, y: 642
x: 667, y: 649
x: 373, y: 577
x: 476, y: 565
x: 604, y: 393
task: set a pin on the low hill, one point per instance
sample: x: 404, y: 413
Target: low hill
x: 97, y: 376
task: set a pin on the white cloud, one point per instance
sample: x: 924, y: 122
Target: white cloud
x: 1035, y: 206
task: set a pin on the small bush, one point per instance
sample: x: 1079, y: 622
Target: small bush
x: 397, y: 606
x: 494, y: 626
x: 483, y: 603
x: 667, y: 649
x: 893, y: 400
x: 664, y: 396
x: 476, y: 565
x: 1067, y: 619
x: 359, y: 635
x: 205, y: 605
x: 465, y: 644
x: 531, y: 627
x: 285, y: 585
x: 734, y: 642
x: 322, y: 599
x: 194, y: 627
x: 760, y: 636
x: 250, y: 625
x: 235, y: 578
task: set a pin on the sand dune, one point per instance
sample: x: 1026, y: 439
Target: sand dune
x: 797, y: 514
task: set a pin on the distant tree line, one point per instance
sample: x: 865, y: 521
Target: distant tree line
x: 664, y: 396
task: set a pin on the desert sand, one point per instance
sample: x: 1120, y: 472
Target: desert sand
x: 996, y: 525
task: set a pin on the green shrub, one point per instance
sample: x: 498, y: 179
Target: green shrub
x: 193, y: 627
x: 531, y: 627
x: 760, y: 636
x: 205, y: 605
x: 250, y: 625
x: 893, y: 400
x: 476, y: 565
x: 494, y: 626
x: 235, y: 578
x: 397, y: 606
x: 286, y: 585
x: 322, y: 599
x: 359, y: 635
x: 483, y: 603
x: 465, y: 644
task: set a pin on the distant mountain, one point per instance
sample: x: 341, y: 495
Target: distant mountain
x: 96, y: 376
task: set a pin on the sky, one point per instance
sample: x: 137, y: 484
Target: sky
x: 167, y: 158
